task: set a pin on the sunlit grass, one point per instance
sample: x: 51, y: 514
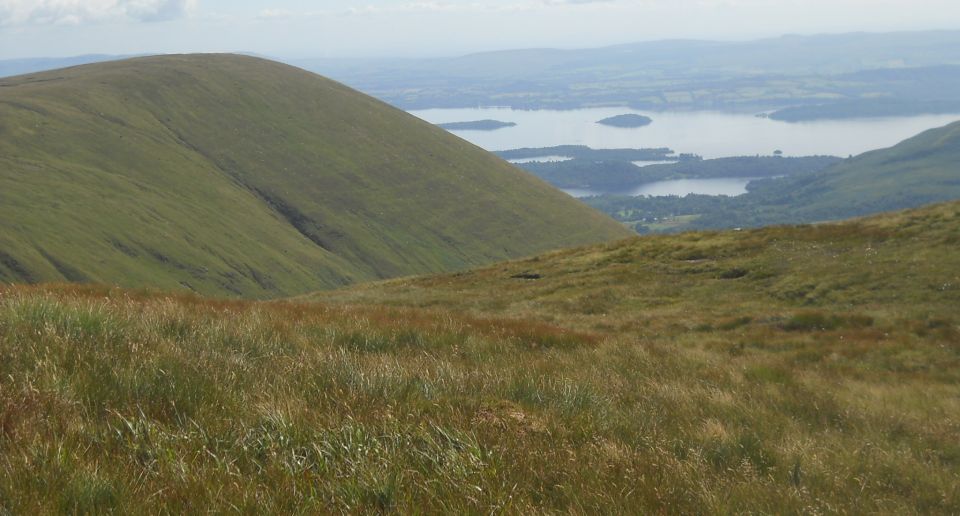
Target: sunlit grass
x: 635, y: 377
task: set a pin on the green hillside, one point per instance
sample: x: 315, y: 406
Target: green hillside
x: 782, y: 370
x: 227, y: 174
x: 921, y: 170
x: 901, y: 264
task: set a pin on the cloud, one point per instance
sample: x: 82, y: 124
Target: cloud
x: 475, y: 7
x: 271, y: 14
x: 375, y: 8
x: 159, y: 10
x: 75, y: 12
x: 577, y: 2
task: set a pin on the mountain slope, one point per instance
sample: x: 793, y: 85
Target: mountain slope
x: 902, y: 263
x: 234, y: 175
x: 921, y: 170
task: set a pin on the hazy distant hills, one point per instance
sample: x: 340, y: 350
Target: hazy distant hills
x: 791, y: 54
x: 810, y: 77
x: 235, y: 175
x: 677, y: 74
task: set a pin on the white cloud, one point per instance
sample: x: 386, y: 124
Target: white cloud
x: 75, y: 12
x: 472, y: 7
x: 577, y: 2
x: 269, y: 14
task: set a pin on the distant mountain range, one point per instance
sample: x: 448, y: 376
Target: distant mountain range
x: 760, y: 75
x: 793, y: 77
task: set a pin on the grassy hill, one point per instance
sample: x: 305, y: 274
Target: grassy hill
x: 922, y: 170
x: 233, y: 175
x: 898, y: 264
x: 779, y: 370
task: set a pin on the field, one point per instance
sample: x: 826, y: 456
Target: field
x: 795, y: 369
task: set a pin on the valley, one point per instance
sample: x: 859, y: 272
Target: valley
x: 410, y: 266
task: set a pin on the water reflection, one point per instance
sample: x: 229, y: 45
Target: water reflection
x: 731, y: 186
x: 707, y: 133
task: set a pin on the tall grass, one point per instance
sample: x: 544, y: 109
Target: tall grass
x: 635, y: 377
x: 135, y: 402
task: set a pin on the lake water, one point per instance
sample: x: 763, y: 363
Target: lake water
x: 731, y: 186
x: 540, y: 159
x: 707, y: 133
x: 648, y: 163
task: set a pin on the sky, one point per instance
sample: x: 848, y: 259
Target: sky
x: 428, y: 28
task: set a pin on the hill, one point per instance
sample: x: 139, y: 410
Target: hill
x: 824, y: 76
x: 921, y: 170
x: 918, y: 171
x: 780, y: 370
x: 759, y: 75
x: 227, y: 174
x: 711, y: 276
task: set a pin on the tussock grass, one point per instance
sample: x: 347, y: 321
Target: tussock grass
x: 627, y: 378
x: 115, y: 400
x: 131, y: 402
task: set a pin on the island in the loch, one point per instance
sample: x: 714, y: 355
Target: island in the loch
x: 628, y: 121
x: 477, y: 125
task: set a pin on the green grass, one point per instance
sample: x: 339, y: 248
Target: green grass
x: 667, y: 224
x: 903, y: 261
x: 639, y: 376
x: 231, y: 175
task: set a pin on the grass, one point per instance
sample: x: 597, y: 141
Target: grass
x: 231, y: 175
x: 629, y: 377
x: 667, y: 224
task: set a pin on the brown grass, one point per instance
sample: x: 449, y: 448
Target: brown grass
x: 632, y: 377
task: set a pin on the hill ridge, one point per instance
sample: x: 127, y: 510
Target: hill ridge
x: 233, y: 174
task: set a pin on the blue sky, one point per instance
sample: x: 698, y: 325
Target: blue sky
x: 392, y: 28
